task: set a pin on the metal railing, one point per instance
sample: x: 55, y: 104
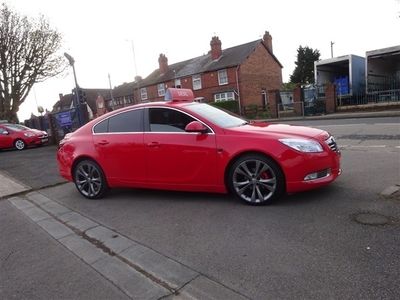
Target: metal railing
x: 380, y: 90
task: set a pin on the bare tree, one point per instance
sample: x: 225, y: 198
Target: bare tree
x: 28, y: 54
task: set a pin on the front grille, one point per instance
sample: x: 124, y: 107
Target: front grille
x: 332, y: 144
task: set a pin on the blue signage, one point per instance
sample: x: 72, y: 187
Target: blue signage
x: 64, y: 119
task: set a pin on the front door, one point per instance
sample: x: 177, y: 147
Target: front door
x: 5, y: 138
x: 176, y: 158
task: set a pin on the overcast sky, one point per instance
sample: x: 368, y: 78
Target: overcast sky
x: 98, y: 34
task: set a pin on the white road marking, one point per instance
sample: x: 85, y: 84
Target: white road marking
x: 359, y: 124
x: 376, y: 146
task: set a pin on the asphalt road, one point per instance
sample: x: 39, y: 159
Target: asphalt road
x: 312, y: 245
x: 35, y: 167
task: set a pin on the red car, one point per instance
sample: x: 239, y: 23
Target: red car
x: 183, y: 145
x: 20, y: 137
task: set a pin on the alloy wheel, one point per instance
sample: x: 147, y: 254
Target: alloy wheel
x: 19, y: 144
x: 89, y: 179
x: 254, y: 181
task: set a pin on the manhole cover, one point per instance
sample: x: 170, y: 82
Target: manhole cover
x: 370, y: 218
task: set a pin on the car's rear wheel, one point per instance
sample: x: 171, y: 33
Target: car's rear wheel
x: 19, y: 144
x: 256, y: 179
x: 89, y: 179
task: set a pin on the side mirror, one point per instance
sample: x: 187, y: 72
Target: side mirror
x: 196, y: 126
x: 5, y: 132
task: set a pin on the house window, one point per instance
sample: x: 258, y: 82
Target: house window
x: 222, y: 77
x: 128, y: 99
x: 178, y: 83
x: 143, y: 94
x: 224, y: 96
x: 161, y: 89
x: 196, y: 82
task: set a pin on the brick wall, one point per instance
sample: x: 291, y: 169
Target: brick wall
x: 330, y: 98
x: 259, y: 72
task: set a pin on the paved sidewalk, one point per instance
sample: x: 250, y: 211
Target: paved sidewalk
x: 9, y: 186
x: 138, y: 271
x: 33, y: 265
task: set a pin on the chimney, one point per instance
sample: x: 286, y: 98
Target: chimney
x: 163, y: 63
x: 216, y: 50
x: 60, y: 96
x: 267, y: 39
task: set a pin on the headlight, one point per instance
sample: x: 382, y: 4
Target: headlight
x: 28, y: 134
x: 302, y: 145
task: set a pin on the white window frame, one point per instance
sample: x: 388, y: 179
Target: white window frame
x: 143, y: 94
x: 226, y: 96
x: 161, y: 89
x: 196, y: 82
x: 178, y: 83
x: 222, y: 77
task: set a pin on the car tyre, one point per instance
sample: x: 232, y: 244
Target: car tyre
x: 256, y: 179
x: 19, y: 144
x: 89, y: 179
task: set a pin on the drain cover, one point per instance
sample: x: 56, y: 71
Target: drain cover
x: 370, y: 218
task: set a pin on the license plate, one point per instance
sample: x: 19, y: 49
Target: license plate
x: 45, y: 140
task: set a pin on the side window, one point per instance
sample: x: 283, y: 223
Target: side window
x: 130, y: 121
x: 168, y: 120
x: 102, y: 127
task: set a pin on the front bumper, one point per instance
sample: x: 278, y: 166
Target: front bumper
x: 297, y: 180
x: 37, y: 141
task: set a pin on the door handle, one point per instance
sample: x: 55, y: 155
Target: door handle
x: 153, y: 145
x: 103, y: 142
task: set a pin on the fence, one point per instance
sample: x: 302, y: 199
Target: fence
x: 288, y: 110
x: 57, y: 125
x: 380, y: 90
x: 314, y: 100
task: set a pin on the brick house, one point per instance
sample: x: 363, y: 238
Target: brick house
x: 243, y: 73
x: 122, y: 95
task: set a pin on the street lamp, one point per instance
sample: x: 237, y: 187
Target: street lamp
x: 72, y: 64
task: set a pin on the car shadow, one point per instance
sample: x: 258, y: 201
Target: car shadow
x: 155, y: 195
x: 307, y: 197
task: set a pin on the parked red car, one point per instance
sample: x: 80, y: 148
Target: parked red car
x: 183, y: 145
x: 20, y: 137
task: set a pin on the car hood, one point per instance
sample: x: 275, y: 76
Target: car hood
x: 282, y: 130
x: 37, y: 132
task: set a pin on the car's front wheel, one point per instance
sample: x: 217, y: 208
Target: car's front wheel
x: 89, y: 179
x: 19, y: 144
x: 256, y: 179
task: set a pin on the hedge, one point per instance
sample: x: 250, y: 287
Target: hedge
x: 231, y: 105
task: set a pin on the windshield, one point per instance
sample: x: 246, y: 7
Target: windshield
x: 216, y: 115
x: 16, y: 127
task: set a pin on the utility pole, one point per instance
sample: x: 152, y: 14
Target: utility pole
x: 332, y: 43
x: 111, y: 92
x: 77, y: 101
x: 136, y: 71
x: 134, y: 57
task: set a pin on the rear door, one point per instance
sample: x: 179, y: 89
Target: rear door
x: 119, y: 143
